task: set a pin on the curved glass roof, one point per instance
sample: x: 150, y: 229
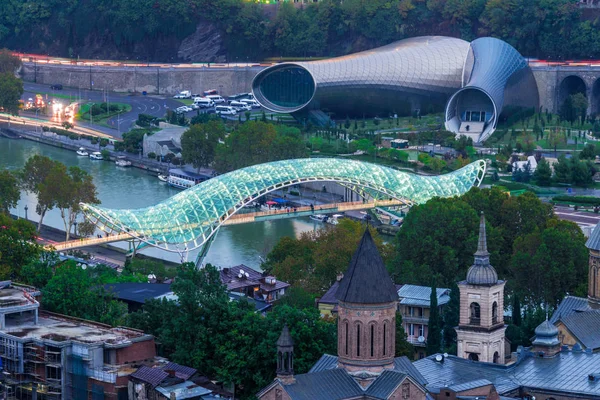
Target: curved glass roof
x: 191, y: 217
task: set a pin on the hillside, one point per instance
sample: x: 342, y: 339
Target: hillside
x: 237, y: 30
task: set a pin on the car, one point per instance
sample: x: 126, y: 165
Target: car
x: 216, y: 98
x: 188, y: 108
x: 251, y: 102
x: 195, y: 106
x: 240, y: 106
x: 204, y: 102
x: 56, y: 86
x: 181, y: 110
x: 225, y: 110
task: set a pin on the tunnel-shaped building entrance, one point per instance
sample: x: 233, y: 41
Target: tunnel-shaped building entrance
x: 471, y: 112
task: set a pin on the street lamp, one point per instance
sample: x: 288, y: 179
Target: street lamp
x: 75, y: 225
x: 26, y: 208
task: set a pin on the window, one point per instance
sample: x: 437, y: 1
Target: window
x: 372, y: 339
x: 494, y: 313
x: 475, y: 317
x: 410, y: 311
x: 496, y: 357
x: 346, y: 326
x: 421, y: 330
x: 358, y: 340
x: 473, y: 356
x: 420, y: 311
x: 384, y: 337
x: 411, y: 330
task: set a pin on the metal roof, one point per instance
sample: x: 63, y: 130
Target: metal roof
x: 421, y: 295
x: 461, y: 387
x: 593, y: 242
x: 183, y: 390
x: 138, y: 292
x: 181, y: 371
x: 153, y: 376
x: 333, y: 384
x: 385, y: 384
x: 329, y: 296
x: 366, y: 281
x: 585, y: 326
x: 565, y: 373
x: 403, y: 364
x: 326, y: 362
x: 568, y: 306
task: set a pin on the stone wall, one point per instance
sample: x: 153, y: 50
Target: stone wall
x: 153, y: 80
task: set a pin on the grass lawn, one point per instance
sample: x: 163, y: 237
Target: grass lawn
x: 101, y: 119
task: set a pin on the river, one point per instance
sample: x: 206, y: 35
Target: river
x: 134, y: 188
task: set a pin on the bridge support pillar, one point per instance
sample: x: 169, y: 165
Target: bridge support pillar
x: 204, y: 249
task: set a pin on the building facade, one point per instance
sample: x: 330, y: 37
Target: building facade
x: 480, y: 332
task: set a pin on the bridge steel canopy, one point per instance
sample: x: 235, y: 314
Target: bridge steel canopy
x: 187, y: 220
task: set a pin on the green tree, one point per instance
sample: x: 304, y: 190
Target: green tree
x: 434, y: 337
x: 562, y: 170
x: 588, y: 152
x: 581, y: 172
x: 11, y: 90
x: 17, y: 246
x: 9, y: 191
x: 543, y: 173
x: 38, y: 272
x: 309, y: 263
x: 451, y: 319
x: 199, y: 143
x: 34, y: 176
x: 71, y: 291
x: 403, y: 347
x: 72, y: 188
x: 8, y: 62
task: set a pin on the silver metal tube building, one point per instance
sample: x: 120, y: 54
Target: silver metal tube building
x: 423, y: 74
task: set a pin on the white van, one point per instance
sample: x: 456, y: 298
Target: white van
x: 225, y: 110
x: 238, y: 105
x: 216, y: 98
x: 251, y: 102
x: 203, y: 102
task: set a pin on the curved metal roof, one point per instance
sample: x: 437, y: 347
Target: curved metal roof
x: 191, y: 217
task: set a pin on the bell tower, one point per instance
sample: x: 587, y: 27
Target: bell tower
x: 367, y: 306
x: 480, y: 332
x: 285, y: 357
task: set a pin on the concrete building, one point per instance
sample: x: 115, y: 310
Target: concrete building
x: 58, y: 357
x: 415, y: 302
x: 165, y: 141
x: 243, y: 279
x: 522, y: 165
x: 480, y: 331
x: 365, y: 367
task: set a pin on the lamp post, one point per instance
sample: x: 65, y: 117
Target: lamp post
x: 75, y: 225
x: 26, y: 208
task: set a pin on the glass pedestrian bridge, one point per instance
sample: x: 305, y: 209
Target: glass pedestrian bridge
x: 189, y: 219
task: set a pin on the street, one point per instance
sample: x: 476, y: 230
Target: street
x: 584, y: 219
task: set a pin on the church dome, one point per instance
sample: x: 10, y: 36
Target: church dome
x: 482, y: 275
x: 546, y: 334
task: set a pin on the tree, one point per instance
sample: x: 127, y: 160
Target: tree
x: 38, y: 272
x: 8, y: 62
x: 588, y: 152
x: 581, y: 172
x: 9, y: 191
x: 543, y: 173
x: 434, y: 337
x: 562, y: 170
x: 516, y: 310
x: 309, y: 263
x: 71, y: 291
x: 199, y: 143
x: 403, y: 347
x: 11, y: 90
x: 34, y: 177
x: 72, y: 189
x: 17, y: 246
x: 451, y: 320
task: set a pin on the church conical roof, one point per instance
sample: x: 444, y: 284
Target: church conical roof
x: 546, y: 334
x: 366, y: 280
x: 285, y: 339
x: 482, y: 272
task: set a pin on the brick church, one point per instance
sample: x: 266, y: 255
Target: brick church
x: 365, y: 366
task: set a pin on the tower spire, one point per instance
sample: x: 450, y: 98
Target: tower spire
x: 482, y: 245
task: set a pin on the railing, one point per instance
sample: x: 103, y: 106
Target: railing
x: 419, y: 320
x: 75, y: 244
x: 414, y: 340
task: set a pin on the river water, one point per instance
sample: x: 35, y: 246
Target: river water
x: 134, y: 188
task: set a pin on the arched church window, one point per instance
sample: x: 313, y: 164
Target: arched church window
x: 475, y: 316
x: 385, y: 338
x: 358, y: 340
x: 473, y: 356
x: 372, y: 340
x: 496, y: 357
x: 347, y: 341
x: 494, y: 313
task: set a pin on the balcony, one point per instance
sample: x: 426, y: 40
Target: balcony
x: 475, y: 321
x: 415, y: 342
x: 415, y: 319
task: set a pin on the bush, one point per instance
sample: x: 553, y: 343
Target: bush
x: 103, y: 142
x: 581, y: 200
x: 105, y: 154
x: 146, y: 120
x: 152, y: 155
x: 45, y: 128
x: 176, y: 161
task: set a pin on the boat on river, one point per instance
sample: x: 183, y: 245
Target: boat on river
x: 82, y: 152
x: 181, y: 179
x: 122, y: 162
x: 96, y: 156
x: 163, y: 178
x: 319, y: 217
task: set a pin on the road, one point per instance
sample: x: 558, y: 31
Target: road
x: 584, y: 219
x: 152, y: 105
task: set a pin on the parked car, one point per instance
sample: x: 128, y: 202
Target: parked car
x: 216, y: 98
x: 251, y: 102
x: 238, y: 105
x: 211, y: 92
x: 186, y: 94
x: 204, y: 102
x: 195, y: 106
x: 56, y: 86
x: 237, y: 96
x: 182, y: 109
x: 225, y: 110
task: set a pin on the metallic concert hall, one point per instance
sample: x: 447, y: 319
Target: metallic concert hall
x: 472, y: 83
